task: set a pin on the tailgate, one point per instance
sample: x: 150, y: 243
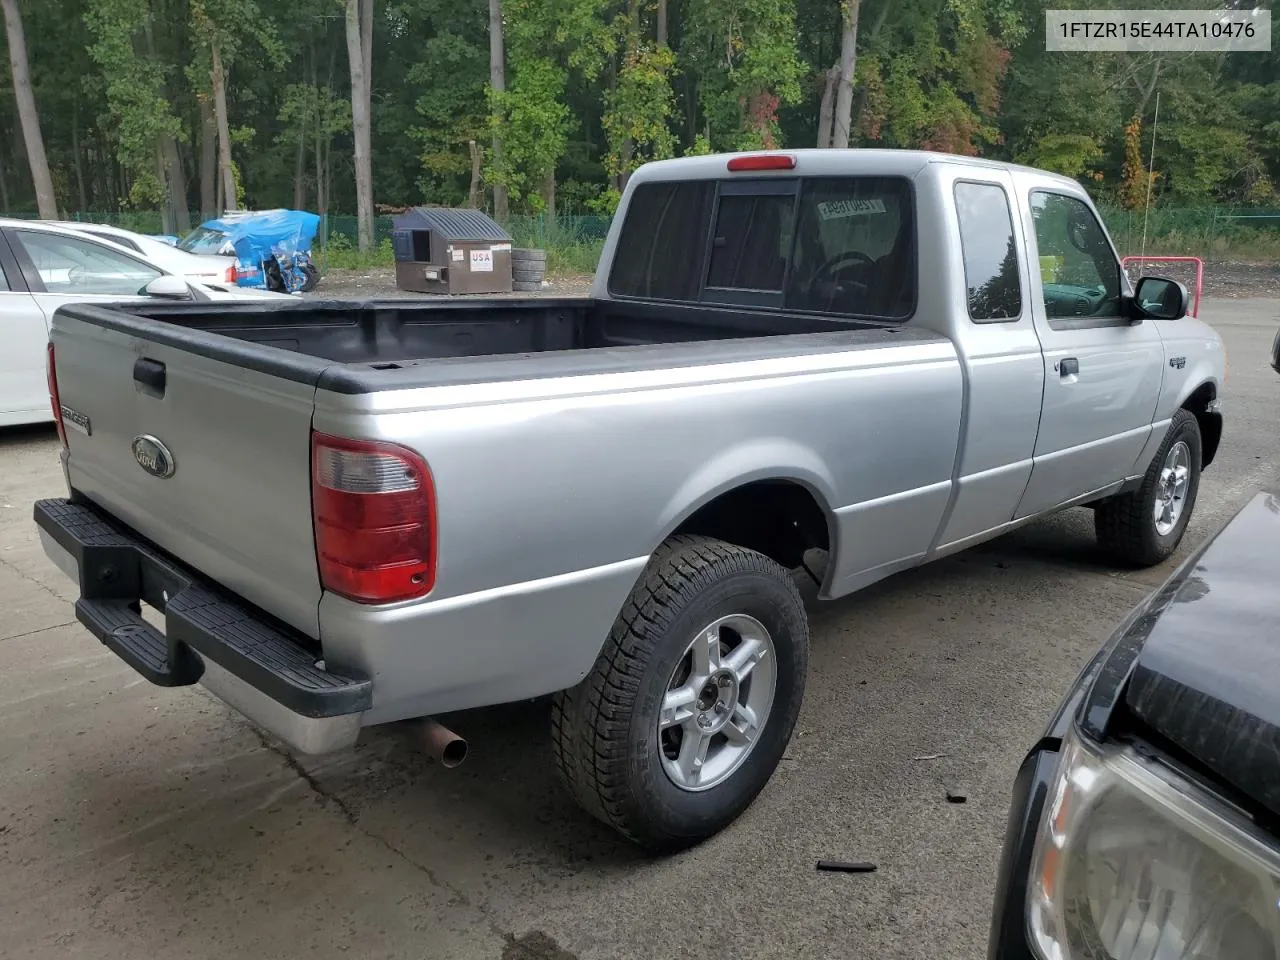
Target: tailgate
x: 235, y: 504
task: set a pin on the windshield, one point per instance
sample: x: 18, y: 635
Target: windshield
x: 203, y: 240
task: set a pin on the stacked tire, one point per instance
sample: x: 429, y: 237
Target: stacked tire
x: 528, y: 269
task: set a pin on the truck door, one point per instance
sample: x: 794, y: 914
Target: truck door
x: 24, y: 334
x: 1102, y: 372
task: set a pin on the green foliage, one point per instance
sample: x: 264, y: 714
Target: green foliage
x: 592, y: 94
x: 639, y: 108
x: 138, y: 109
x: 1069, y: 154
x: 744, y: 53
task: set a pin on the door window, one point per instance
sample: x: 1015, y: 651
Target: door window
x: 70, y: 265
x: 990, y: 255
x: 1079, y: 273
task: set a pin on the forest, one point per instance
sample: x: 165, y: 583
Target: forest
x: 362, y: 107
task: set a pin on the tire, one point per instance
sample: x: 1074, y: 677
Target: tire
x: 310, y: 277
x: 527, y: 255
x: 1127, y: 526
x: 525, y: 286
x: 610, y: 753
x: 529, y: 274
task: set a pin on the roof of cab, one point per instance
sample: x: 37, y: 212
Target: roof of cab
x: 830, y: 162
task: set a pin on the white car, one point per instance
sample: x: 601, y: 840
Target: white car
x: 193, y: 266
x: 43, y: 266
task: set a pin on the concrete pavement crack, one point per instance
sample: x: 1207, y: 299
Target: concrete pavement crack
x: 30, y: 579
x: 32, y: 633
x: 326, y: 798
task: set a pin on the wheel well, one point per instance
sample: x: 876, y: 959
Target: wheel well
x: 1210, y: 422
x: 779, y: 518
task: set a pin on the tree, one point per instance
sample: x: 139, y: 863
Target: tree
x: 842, y: 121
x: 28, y: 116
x: 497, y: 87
x: 359, y: 25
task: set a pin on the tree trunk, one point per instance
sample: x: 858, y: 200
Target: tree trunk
x: 826, y: 111
x: 166, y: 207
x: 360, y: 127
x: 549, y: 193
x: 662, y: 23
x: 82, y: 193
x: 498, y: 82
x: 4, y: 192
x: 226, y: 174
x: 208, y: 161
x: 474, y: 191
x: 46, y: 203
x: 177, y: 186
x: 848, y: 62
x: 299, y: 174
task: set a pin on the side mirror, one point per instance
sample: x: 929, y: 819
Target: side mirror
x: 1160, y: 299
x: 168, y: 288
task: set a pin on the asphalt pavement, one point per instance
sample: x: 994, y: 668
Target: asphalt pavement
x: 138, y: 822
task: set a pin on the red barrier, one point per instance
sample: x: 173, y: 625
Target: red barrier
x: 1195, y: 306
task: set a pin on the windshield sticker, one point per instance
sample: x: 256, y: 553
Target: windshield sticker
x: 841, y: 209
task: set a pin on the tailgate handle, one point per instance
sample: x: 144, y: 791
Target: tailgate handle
x: 149, y: 373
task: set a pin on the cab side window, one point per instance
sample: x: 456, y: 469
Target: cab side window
x: 1079, y: 273
x: 990, y: 255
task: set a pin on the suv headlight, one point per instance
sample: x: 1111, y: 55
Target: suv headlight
x: 1133, y: 862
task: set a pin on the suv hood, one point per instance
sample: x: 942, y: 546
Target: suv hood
x: 1206, y: 677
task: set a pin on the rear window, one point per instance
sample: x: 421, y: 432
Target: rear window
x: 832, y: 245
x: 115, y: 238
x: 202, y: 240
x: 663, y: 240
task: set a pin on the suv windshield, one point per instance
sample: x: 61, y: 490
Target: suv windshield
x: 203, y: 240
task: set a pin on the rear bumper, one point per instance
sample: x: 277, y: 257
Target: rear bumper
x: 210, y: 637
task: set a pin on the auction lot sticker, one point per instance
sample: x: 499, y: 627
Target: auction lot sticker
x: 1187, y: 31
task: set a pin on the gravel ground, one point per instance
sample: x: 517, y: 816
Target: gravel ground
x: 1230, y: 280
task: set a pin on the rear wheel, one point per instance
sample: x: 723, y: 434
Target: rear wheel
x: 310, y: 277
x: 1145, y: 526
x: 690, y: 705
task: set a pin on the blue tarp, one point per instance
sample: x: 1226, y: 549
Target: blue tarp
x: 257, y: 236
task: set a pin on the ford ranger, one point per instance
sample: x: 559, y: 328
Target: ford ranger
x: 348, y: 514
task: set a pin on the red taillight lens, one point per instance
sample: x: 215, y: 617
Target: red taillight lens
x: 229, y: 276
x: 762, y: 161
x: 374, y: 509
x: 51, y: 374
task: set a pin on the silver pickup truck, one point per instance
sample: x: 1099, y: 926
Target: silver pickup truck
x: 347, y: 514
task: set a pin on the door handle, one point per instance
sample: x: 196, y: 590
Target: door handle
x: 1068, y: 367
x: 149, y: 373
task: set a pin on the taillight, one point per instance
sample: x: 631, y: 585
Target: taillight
x: 374, y: 508
x: 229, y: 275
x: 51, y: 374
x: 762, y: 161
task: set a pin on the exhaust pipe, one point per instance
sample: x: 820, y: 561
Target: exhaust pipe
x: 445, y: 747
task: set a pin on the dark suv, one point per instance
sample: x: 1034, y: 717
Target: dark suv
x: 1146, y: 820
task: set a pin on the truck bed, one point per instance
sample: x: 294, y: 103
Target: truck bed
x: 389, y: 334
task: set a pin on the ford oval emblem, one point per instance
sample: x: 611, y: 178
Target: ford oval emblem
x: 153, y: 457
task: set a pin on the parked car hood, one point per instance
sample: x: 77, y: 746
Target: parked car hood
x: 1206, y: 677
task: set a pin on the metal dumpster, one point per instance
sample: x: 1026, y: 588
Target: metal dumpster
x: 451, y: 250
